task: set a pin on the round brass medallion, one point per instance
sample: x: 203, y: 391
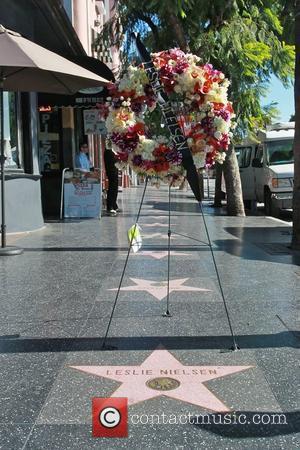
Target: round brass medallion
x: 163, y: 384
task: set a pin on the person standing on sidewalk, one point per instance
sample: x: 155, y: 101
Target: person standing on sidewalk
x: 112, y: 175
x: 83, y: 161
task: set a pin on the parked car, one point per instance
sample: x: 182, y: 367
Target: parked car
x: 267, y: 168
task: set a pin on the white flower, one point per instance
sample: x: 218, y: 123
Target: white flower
x: 217, y: 93
x: 220, y: 157
x: 221, y: 125
x: 218, y: 135
x: 162, y: 139
x: 199, y: 160
x: 119, y: 120
x: 146, y: 147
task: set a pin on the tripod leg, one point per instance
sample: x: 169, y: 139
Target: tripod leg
x: 124, y: 269
x: 167, y: 313
x: 234, y: 344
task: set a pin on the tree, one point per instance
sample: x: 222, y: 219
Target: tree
x: 242, y: 38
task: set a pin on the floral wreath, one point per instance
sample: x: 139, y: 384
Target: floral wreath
x: 135, y: 125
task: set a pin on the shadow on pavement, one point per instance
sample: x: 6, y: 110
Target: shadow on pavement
x: 260, y: 250
x: 179, y: 207
x: 188, y: 208
x: 227, y: 424
x: 182, y: 247
x: 28, y: 345
x: 259, y: 234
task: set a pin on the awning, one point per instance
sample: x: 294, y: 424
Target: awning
x: 83, y: 99
x: 47, y: 24
x: 94, y: 65
x: 78, y: 100
x: 27, y: 66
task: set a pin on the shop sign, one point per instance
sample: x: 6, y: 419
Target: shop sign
x: 81, y: 198
x: 48, y: 142
x: 92, y: 123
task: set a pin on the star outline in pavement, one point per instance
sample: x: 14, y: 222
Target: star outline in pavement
x: 155, y: 224
x: 160, y: 254
x: 120, y: 391
x: 158, y: 235
x: 160, y: 292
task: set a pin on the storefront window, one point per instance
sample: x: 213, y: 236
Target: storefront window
x: 10, y: 132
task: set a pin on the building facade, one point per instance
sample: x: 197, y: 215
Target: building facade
x: 33, y: 135
x: 62, y: 120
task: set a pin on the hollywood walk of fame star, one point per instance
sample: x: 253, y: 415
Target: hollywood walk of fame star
x: 157, y: 217
x: 161, y: 374
x: 158, y: 235
x: 156, y: 224
x: 159, y: 289
x: 160, y: 255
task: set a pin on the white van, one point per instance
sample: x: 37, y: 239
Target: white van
x: 267, y: 168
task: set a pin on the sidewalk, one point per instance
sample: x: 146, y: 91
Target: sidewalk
x: 56, y: 301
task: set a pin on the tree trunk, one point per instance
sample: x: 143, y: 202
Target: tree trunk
x: 234, y: 194
x: 175, y: 24
x: 218, y: 186
x: 296, y: 195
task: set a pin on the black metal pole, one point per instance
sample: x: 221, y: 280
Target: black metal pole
x: 2, y: 158
x: 104, y: 347
x: 181, y: 144
x: 234, y: 343
x: 167, y: 313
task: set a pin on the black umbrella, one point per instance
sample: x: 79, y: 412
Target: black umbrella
x: 26, y: 66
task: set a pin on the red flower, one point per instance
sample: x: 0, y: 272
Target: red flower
x: 170, y: 64
x: 139, y: 128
